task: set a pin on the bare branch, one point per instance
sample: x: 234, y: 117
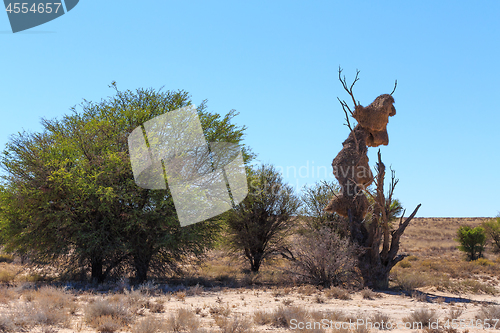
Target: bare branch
x: 395, y: 85
x: 346, y: 108
x: 349, y: 89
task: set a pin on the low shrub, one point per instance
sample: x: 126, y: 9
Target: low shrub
x: 282, y: 315
x: 261, y: 317
x: 490, y: 312
x: 183, y: 319
x: 367, y: 293
x: 233, y: 325
x: 118, y: 312
x: 338, y: 293
x: 472, y: 241
x: 146, y: 325
x: 422, y: 316
x: 322, y: 257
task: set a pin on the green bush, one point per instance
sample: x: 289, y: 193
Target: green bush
x: 492, y: 229
x: 472, y: 241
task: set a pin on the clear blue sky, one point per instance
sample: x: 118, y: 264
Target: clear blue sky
x: 276, y: 63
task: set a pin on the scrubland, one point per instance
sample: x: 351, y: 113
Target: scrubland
x: 434, y: 286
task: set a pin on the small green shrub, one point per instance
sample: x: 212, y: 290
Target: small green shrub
x: 472, y: 241
x: 492, y: 229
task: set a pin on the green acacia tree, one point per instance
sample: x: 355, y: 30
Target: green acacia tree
x: 69, y: 195
x: 472, y: 241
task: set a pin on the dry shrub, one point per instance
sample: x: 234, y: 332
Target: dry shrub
x: 7, y: 295
x: 148, y: 288
x: 6, y: 323
x: 367, y: 293
x: 154, y: 307
x: 55, y: 298
x: 287, y: 302
x: 146, y: 325
x: 423, y: 316
x: 48, y: 306
x: 338, y: 293
x: 194, y: 291
x: 454, y: 313
x: 307, y: 290
x: 104, y: 308
x: 282, y: 315
x: 135, y: 300
x: 261, y: 317
x: 379, y: 317
x: 233, y: 325
x: 322, y: 257
x: 419, y: 296
x: 180, y: 295
x: 219, y: 310
x: 490, y: 312
x: 184, y: 319
x: 106, y: 324
x: 335, y: 316
x: 319, y: 299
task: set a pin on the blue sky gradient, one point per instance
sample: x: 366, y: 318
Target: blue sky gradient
x: 276, y: 63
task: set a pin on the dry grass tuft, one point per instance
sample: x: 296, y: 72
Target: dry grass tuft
x: 454, y: 313
x: 219, y: 310
x: 146, y: 325
x: 180, y: 295
x: 307, y: 290
x: 319, y: 299
x: 367, y: 293
x: 490, y: 312
x: 338, y: 293
x: 379, y: 317
x: 261, y: 317
x: 154, y: 307
x: 184, y: 319
x: 281, y: 316
x: 6, y: 323
x: 7, y: 295
x: 194, y: 291
x: 234, y: 325
x: 112, y: 314
x: 106, y: 324
x: 423, y: 316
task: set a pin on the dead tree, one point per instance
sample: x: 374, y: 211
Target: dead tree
x: 354, y: 175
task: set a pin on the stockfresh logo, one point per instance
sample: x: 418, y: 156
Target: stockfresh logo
x: 205, y: 179
x: 28, y: 14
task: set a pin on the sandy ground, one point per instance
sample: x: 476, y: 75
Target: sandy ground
x: 244, y: 302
